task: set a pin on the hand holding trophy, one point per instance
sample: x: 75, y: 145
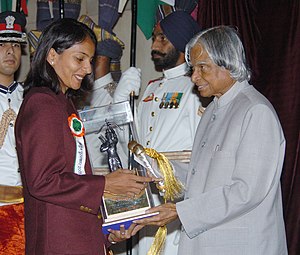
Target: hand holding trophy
x: 125, y: 196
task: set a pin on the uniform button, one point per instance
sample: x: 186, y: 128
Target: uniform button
x: 148, y: 143
x: 160, y: 84
x: 193, y: 171
x: 203, y: 144
x: 151, y: 129
x: 213, y: 117
x: 82, y: 208
x: 152, y: 114
x: 156, y: 99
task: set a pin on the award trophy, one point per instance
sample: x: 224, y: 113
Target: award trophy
x: 109, y: 145
x: 116, y: 210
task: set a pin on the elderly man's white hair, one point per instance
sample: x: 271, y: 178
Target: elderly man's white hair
x: 225, y: 49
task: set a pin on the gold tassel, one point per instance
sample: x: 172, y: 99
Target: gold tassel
x: 159, y: 241
x: 173, y: 187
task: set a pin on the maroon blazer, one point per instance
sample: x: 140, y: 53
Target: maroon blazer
x: 61, y: 207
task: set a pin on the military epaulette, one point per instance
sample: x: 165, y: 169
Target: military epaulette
x: 151, y: 81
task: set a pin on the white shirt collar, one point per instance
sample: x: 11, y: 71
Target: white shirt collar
x: 176, y: 71
x: 103, y: 81
x: 9, y: 89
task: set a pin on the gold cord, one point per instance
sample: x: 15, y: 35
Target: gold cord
x: 8, y: 116
x: 173, y: 189
x: 159, y: 241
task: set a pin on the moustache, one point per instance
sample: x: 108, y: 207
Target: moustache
x: 155, y: 52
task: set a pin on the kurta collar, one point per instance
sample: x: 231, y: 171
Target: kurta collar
x: 176, y: 71
x: 9, y: 89
x: 230, y: 94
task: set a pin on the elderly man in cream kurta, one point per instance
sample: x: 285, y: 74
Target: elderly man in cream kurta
x: 232, y: 203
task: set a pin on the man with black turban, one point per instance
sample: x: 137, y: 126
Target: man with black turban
x: 169, y: 111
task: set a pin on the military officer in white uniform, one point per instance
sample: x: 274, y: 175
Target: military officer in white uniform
x: 168, y: 112
x: 12, y: 38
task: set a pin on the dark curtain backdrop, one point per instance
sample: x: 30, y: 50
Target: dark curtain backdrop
x: 270, y: 31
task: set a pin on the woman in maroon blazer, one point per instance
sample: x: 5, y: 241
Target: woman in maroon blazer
x: 62, y: 197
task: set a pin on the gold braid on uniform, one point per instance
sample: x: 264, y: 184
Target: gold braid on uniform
x: 8, y: 116
x: 173, y: 189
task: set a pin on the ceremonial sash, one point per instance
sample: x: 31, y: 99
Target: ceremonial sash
x: 77, y: 130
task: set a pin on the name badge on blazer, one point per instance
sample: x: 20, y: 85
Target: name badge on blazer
x: 149, y: 98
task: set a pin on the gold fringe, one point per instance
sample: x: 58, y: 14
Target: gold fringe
x: 159, y: 241
x: 173, y: 187
x: 8, y: 116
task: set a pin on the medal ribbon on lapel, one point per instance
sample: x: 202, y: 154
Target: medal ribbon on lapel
x: 77, y: 130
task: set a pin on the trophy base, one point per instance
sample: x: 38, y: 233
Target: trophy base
x: 115, y: 225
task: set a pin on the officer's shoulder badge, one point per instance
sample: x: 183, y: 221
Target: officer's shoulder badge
x: 151, y: 81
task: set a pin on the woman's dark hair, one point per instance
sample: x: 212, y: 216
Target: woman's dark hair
x: 59, y: 35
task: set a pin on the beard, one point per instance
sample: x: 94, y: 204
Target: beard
x: 167, y: 60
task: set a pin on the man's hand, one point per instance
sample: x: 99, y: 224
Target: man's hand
x: 167, y: 214
x: 125, y: 182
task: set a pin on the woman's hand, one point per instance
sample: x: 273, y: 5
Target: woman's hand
x: 116, y: 236
x: 124, y: 182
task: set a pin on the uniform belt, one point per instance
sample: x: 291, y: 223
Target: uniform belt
x: 11, y: 194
